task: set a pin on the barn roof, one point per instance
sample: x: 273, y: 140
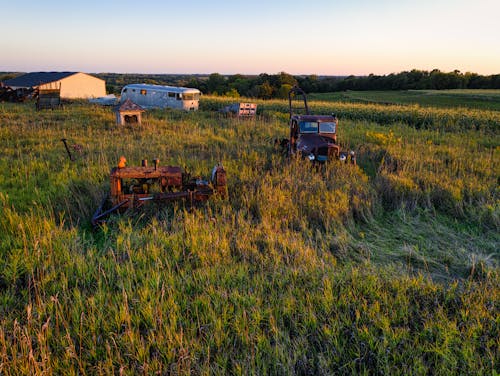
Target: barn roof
x: 37, y: 78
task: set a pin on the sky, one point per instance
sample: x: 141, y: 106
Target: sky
x: 323, y: 37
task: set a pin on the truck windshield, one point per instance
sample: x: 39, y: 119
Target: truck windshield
x: 327, y: 127
x: 308, y: 127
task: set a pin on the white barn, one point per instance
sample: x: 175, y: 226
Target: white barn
x: 72, y: 84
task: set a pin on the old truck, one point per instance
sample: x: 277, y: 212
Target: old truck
x: 313, y: 137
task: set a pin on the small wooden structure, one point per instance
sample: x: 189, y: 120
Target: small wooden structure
x: 128, y: 112
x: 245, y: 110
x: 48, y: 99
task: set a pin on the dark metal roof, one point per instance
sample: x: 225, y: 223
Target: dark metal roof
x: 314, y: 117
x: 37, y: 78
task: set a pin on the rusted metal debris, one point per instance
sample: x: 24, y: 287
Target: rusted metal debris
x: 135, y: 187
x: 312, y: 137
x: 67, y: 149
x: 76, y: 148
x: 7, y: 94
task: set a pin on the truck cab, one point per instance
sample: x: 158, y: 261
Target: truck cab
x: 313, y: 136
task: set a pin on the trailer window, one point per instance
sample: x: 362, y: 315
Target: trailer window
x: 125, y: 90
x: 143, y: 92
x: 171, y: 95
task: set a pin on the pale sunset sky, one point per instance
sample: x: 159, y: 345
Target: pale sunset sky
x: 324, y: 37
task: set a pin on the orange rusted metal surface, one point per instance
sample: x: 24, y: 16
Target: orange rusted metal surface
x: 134, y: 187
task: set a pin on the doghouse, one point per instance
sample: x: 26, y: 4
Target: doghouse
x: 128, y: 113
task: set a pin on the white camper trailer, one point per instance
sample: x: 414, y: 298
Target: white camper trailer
x: 156, y: 96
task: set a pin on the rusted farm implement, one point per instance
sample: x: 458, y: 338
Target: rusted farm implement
x: 134, y: 187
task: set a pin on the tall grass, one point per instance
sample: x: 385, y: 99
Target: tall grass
x: 389, y: 267
x: 442, y: 119
x: 456, y: 98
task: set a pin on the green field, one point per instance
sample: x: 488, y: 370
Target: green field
x: 390, y: 267
x: 456, y: 98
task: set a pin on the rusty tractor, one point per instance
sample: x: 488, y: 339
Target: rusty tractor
x: 135, y: 187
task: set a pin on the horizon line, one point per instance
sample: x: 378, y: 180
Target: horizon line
x: 253, y: 74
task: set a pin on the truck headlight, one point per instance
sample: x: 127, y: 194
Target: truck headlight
x: 311, y: 157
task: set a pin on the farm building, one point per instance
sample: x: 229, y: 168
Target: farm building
x: 72, y: 84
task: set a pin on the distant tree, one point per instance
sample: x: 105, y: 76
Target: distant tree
x: 112, y: 89
x: 442, y: 80
x: 196, y: 83
x: 233, y: 93
x: 309, y: 84
x: 399, y: 81
x: 235, y: 77
x: 284, y: 90
x: 216, y: 84
x: 240, y: 83
x: 253, y: 92
x: 286, y: 79
x: 495, y: 81
x: 265, y: 90
x: 473, y: 80
x: 414, y: 79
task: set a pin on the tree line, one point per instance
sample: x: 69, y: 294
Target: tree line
x: 420, y: 80
x: 267, y: 86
